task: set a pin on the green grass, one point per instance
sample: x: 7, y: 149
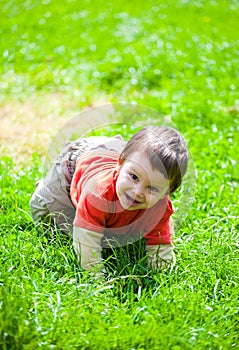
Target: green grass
x: 180, y: 58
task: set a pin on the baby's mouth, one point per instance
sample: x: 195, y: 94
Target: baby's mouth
x: 131, y: 200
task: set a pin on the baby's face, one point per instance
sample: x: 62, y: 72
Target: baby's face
x: 139, y: 186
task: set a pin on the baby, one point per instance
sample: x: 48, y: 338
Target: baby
x: 105, y: 185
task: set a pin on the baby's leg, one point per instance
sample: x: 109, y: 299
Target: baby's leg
x: 51, y: 203
x: 38, y: 205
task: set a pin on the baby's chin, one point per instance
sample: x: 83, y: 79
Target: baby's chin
x: 126, y: 206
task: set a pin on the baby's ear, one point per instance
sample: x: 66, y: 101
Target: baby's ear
x: 120, y: 161
x: 118, y: 166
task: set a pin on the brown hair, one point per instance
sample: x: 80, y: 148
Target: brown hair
x: 166, y: 149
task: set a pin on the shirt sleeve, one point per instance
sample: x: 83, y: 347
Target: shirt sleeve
x: 91, y: 213
x: 92, y: 178
x: 162, y: 233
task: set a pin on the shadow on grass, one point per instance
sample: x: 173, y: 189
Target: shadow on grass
x: 126, y: 267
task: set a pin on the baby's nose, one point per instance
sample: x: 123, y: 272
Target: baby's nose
x: 139, y: 190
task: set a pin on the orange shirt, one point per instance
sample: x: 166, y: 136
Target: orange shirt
x: 93, y: 193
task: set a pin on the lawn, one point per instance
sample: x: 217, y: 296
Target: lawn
x: 173, y: 58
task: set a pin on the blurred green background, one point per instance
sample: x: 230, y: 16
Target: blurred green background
x: 180, y: 57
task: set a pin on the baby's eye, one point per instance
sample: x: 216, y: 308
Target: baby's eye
x: 153, y: 189
x: 134, y: 177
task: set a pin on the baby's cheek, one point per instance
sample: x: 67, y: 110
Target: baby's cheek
x: 119, y: 185
x: 155, y: 199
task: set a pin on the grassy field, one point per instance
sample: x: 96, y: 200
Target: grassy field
x: 177, y: 57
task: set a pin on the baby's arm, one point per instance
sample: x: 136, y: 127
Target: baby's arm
x: 162, y: 256
x: 87, y: 245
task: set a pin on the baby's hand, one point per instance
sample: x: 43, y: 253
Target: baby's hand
x: 161, y: 257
